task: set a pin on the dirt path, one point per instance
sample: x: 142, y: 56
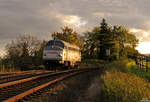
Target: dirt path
x: 90, y: 93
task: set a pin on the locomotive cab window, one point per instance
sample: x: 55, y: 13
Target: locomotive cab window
x: 54, y: 45
x: 50, y: 43
x: 59, y: 43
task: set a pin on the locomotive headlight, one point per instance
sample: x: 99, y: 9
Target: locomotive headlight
x: 60, y: 55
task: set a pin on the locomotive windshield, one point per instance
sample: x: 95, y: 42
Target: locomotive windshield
x: 54, y: 44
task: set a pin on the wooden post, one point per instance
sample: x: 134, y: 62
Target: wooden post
x: 146, y: 64
x: 136, y: 60
x: 140, y: 62
x: 143, y: 63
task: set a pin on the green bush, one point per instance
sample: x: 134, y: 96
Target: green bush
x: 140, y: 72
x: 123, y: 87
x: 122, y: 65
x: 92, y: 61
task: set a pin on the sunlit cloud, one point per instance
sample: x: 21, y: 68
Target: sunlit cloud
x: 134, y: 30
x: 144, y: 40
x: 146, y: 34
x: 74, y: 20
x: 142, y: 35
x: 71, y: 20
x: 143, y: 47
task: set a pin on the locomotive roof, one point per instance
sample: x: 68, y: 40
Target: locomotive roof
x: 66, y: 44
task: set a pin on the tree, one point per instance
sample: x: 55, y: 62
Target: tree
x: 131, y: 52
x: 105, y: 39
x: 125, y: 39
x: 39, y: 54
x: 21, y: 51
x: 68, y: 35
x: 116, y: 39
x: 1, y: 65
x: 91, y: 45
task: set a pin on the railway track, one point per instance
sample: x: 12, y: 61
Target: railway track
x: 14, y: 73
x: 17, y: 90
x: 19, y: 76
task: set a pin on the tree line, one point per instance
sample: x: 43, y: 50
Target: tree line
x: 103, y: 42
x: 117, y: 40
x: 24, y: 53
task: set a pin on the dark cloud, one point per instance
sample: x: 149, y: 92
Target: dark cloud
x: 41, y: 17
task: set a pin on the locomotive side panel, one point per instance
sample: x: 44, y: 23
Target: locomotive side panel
x: 73, y: 56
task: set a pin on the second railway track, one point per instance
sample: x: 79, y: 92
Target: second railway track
x: 16, y: 91
x: 14, y: 77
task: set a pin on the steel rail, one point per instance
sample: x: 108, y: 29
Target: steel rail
x: 14, y: 73
x: 20, y: 96
x: 20, y: 76
x: 41, y: 86
x: 29, y: 79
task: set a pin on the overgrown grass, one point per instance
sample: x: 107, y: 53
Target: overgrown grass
x: 4, y: 70
x: 122, y: 65
x: 122, y: 82
x: 140, y: 72
x: 123, y: 87
x: 91, y: 63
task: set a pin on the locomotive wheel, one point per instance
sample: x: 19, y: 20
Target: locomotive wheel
x: 46, y: 66
x: 69, y: 65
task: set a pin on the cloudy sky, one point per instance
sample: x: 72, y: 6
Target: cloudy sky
x: 42, y: 17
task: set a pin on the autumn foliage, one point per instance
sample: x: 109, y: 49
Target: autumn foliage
x: 68, y: 35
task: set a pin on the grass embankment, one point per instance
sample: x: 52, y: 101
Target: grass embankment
x: 123, y: 82
x: 7, y: 70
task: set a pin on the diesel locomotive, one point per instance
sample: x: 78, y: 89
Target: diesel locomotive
x: 60, y: 53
